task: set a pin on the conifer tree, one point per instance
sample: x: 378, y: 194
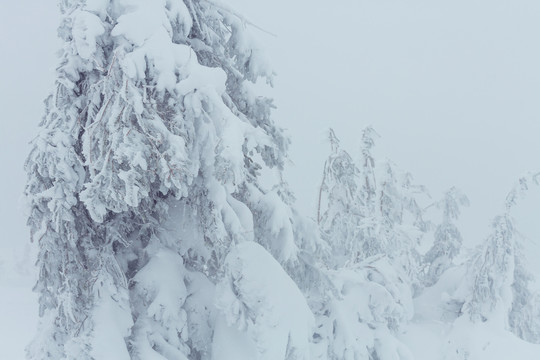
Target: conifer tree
x: 370, y: 243
x: 523, y: 317
x: 493, y: 273
x: 144, y: 176
x: 401, y: 224
x: 499, y: 278
x: 448, y: 240
x: 341, y: 220
x: 372, y: 222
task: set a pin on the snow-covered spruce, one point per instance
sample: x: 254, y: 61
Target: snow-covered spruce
x: 494, y: 291
x: 448, y: 240
x: 370, y: 217
x: 146, y: 173
x: 500, y: 278
x: 369, y: 207
x: 339, y: 211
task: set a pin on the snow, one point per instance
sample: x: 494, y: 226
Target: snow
x: 231, y: 343
x: 158, y: 296
x: 112, y: 323
x: 435, y: 340
x: 86, y: 28
x: 260, y: 312
x: 261, y: 309
x: 437, y: 332
x: 18, y: 313
x: 278, y: 234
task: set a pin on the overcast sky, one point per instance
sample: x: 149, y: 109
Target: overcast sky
x: 452, y: 87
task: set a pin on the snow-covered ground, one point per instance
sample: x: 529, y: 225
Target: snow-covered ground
x: 433, y: 334
x: 427, y: 336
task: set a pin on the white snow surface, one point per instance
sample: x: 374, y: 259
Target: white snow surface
x: 112, y: 323
x: 86, y: 28
x: 263, y: 314
x: 436, y: 334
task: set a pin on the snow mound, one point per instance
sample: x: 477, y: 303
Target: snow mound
x: 263, y: 314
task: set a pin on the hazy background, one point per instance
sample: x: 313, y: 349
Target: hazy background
x: 452, y: 87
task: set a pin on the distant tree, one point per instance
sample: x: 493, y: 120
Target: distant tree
x: 373, y: 222
x: 371, y: 244
x: 492, y: 270
x: 340, y: 223
x: 402, y: 226
x: 369, y: 209
x: 499, y: 279
x: 448, y: 240
x: 523, y: 318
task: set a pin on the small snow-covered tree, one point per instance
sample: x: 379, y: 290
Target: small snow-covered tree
x: 364, y: 308
x: 368, y: 231
x: 370, y: 208
x: 392, y: 218
x: 448, y: 240
x: 523, y: 317
x: 499, y: 277
x: 372, y: 221
x: 401, y: 219
x: 341, y: 220
x: 145, y: 174
x: 492, y: 271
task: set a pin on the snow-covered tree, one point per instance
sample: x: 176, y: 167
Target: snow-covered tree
x: 523, y: 319
x: 270, y: 316
x: 448, y: 241
x: 144, y: 176
x: 392, y: 218
x: 401, y: 220
x: 341, y: 219
x: 499, y: 279
x: 490, y: 293
x: 369, y: 209
x: 368, y: 232
x: 361, y: 312
x: 492, y: 271
x: 372, y: 221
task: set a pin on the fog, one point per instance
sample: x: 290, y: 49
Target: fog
x: 451, y: 87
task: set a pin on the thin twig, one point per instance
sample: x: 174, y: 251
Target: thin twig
x: 239, y: 16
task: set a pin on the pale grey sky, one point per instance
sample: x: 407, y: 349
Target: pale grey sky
x: 27, y: 48
x: 452, y: 87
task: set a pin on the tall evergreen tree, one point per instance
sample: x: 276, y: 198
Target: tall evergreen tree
x: 144, y: 176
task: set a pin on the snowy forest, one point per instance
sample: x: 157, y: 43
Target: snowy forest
x: 163, y: 224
